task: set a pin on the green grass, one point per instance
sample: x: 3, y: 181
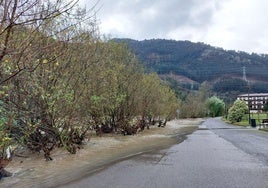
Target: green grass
x: 245, y: 122
x: 257, y: 117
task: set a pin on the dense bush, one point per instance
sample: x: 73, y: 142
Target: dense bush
x: 215, y: 106
x: 237, y: 111
x: 194, y: 105
x: 58, y: 79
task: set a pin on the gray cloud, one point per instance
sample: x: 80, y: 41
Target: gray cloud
x: 231, y: 24
x: 156, y: 18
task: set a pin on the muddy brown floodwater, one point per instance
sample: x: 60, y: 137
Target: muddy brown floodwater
x: 96, y: 155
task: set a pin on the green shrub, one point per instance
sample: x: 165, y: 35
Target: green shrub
x: 216, y: 106
x: 237, y: 111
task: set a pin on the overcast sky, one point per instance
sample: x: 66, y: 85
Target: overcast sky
x: 230, y: 24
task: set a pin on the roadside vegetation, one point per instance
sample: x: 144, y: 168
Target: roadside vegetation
x: 238, y: 114
x: 59, y: 80
x: 237, y: 111
x: 201, y: 104
x: 245, y: 119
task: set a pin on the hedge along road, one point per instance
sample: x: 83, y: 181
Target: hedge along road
x: 216, y: 155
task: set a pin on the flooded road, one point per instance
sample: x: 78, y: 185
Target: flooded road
x: 99, y: 152
x: 207, y: 158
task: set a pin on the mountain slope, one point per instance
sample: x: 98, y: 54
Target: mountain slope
x: 199, y: 62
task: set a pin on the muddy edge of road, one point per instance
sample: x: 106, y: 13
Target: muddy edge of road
x: 99, y: 153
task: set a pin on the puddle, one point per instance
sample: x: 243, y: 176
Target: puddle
x: 96, y: 154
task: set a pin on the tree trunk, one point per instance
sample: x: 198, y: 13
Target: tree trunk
x: 4, y: 173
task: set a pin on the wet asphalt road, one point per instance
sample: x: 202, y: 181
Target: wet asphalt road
x: 215, y: 156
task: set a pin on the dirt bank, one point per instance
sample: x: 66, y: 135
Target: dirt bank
x: 98, y: 152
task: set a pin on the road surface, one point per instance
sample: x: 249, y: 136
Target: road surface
x: 217, y: 155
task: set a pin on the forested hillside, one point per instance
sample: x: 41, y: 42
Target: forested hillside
x: 186, y: 65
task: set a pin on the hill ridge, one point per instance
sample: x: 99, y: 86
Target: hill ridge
x: 198, y: 62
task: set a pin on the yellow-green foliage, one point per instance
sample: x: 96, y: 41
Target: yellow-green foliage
x: 237, y: 111
x: 63, y: 79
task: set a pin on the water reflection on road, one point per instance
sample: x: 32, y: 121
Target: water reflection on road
x: 203, y: 160
x: 96, y: 155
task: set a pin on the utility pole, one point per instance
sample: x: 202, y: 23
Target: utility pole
x: 192, y: 85
x: 249, y: 104
x: 244, y: 73
x: 249, y: 118
x: 245, y: 79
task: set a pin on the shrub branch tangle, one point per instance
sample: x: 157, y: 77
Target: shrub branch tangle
x: 58, y: 80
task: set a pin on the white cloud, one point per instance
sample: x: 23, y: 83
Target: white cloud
x: 231, y: 24
x: 240, y: 25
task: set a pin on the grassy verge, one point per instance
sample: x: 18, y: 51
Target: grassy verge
x: 245, y: 120
x: 243, y: 123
